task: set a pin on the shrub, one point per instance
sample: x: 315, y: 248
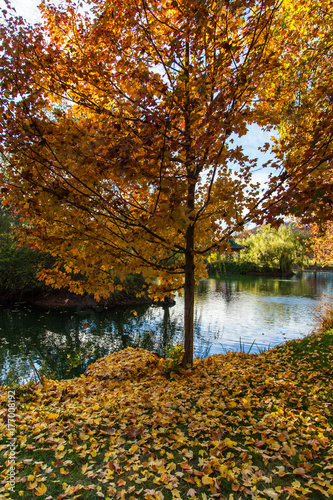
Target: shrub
x: 174, y: 356
x: 18, y: 269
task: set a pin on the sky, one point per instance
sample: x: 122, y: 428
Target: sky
x: 25, y: 8
x: 255, y: 137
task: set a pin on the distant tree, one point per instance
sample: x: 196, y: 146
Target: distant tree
x: 117, y: 124
x: 274, y: 248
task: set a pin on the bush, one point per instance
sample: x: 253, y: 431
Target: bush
x: 174, y: 356
x: 18, y: 269
x: 222, y: 267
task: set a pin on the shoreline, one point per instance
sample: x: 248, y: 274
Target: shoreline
x: 63, y: 299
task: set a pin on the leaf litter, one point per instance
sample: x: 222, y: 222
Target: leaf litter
x: 235, y: 426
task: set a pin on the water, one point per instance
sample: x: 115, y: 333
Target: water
x: 232, y: 313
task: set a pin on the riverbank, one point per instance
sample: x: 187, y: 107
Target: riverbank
x: 64, y: 300
x: 319, y: 269
x: 48, y: 298
x: 235, y: 426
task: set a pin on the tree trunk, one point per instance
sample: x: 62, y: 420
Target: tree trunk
x: 189, y: 237
x: 189, y: 298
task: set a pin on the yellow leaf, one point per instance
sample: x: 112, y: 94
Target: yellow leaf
x: 32, y: 485
x: 271, y: 493
x: 273, y: 444
x: 134, y: 448
x: 246, y: 404
x: 207, y: 480
x: 41, y: 490
x: 229, y: 442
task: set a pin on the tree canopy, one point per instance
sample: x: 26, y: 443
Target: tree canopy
x: 303, y: 146
x: 118, y: 123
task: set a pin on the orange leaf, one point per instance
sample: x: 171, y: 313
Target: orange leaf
x: 41, y: 490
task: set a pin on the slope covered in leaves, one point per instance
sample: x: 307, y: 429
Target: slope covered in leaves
x: 236, y: 426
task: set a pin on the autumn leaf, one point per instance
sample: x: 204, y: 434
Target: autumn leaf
x: 191, y: 492
x: 40, y: 490
x: 228, y: 442
x: 300, y: 471
x: 206, y: 480
x: 271, y: 494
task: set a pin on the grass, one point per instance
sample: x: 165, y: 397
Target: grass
x: 236, y: 426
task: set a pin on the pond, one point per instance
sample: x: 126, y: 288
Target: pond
x: 231, y: 313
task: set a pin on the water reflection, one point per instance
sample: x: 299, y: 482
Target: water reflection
x: 230, y: 313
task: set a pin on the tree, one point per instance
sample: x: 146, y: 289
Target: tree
x: 304, y: 145
x: 118, y: 125
x: 276, y: 248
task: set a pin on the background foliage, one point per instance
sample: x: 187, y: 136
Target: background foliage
x: 19, y: 266
x: 266, y: 249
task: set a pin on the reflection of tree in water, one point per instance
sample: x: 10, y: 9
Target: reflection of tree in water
x: 17, y: 334
x: 222, y: 287
x: 303, y: 285
x: 228, y: 292
x: 202, y: 337
x: 69, y: 341
x: 87, y: 336
x: 316, y: 281
x: 14, y: 366
x: 149, y: 329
